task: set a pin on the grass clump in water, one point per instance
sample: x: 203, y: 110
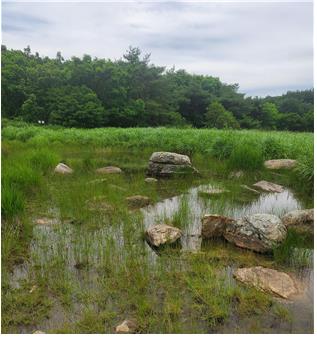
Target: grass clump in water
x: 246, y: 156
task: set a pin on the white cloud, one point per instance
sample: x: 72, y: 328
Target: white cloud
x: 265, y: 47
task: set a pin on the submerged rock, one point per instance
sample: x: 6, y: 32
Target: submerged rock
x: 280, y: 164
x: 138, y: 201
x: 268, y: 186
x: 167, y: 164
x: 267, y: 280
x: 300, y: 219
x: 109, y: 170
x: 214, y: 225
x: 63, y: 169
x: 160, y: 234
x: 150, y: 180
x: 259, y: 232
x: 127, y: 326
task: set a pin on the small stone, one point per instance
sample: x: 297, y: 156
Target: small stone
x: 39, y: 332
x: 280, y: 164
x: 160, y: 234
x: 150, y: 180
x: 267, y: 280
x: 127, y: 326
x: 268, y: 186
x: 138, y: 201
x: 63, y: 169
x: 109, y: 170
x: 214, y: 225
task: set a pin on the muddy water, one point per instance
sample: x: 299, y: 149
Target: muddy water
x: 68, y: 243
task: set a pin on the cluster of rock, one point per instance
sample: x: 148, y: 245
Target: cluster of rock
x: 164, y: 164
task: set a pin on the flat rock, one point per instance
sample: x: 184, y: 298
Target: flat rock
x: 63, y: 169
x: 269, y: 186
x: 268, y: 280
x: 150, y: 180
x: 258, y: 232
x: 280, y: 164
x: 127, y: 326
x: 214, y: 225
x: 300, y: 219
x: 170, y: 158
x: 109, y: 170
x: 138, y: 201
x: 160, y: 234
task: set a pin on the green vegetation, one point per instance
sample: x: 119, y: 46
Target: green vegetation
x: 132, y: 92
x: 89, y: 268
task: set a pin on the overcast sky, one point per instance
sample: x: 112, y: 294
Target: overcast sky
x: 265, y: 47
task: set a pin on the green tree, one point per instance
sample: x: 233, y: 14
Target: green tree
x: 270, y: 115
x: 31, y: 111
x: 218, y: 117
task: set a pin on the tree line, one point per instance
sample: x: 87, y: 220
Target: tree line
x: 132, y: 92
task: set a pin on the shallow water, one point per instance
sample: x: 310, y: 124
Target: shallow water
x: 71, y: 245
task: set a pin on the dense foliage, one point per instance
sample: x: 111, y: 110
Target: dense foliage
x: 86, y: 92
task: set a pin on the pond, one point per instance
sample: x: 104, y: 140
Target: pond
x: 97, y: 262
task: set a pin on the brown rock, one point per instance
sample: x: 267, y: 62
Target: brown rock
x: 109, y: 170
x: 280, y: 164
x: 214, y: 225
x: 127, y: 326
x: 160, y: 234
x: 138, y: 201
x: 300, y: 219
x: 268, y: 186
x: 268, y: 280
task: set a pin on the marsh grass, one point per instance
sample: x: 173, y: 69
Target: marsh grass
x: 97, y: 261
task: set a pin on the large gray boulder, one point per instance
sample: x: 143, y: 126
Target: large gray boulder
x: 302, y: 220
x: 259, y: 232
x: 167, y: 164
x: 161, y: 234
x: 268, y: 280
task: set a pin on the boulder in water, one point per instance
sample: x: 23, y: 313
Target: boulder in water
x: 214, y: 225
x: 160, y: 234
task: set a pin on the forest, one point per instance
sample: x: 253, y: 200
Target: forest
x: 132, y: 92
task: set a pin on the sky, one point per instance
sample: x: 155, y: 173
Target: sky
x: 265, y: 47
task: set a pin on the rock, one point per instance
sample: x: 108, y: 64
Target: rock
x: 46, y: 221
x: 109, y: 170
x: 167, y: 164
x: 248, y: 188
x: 268, y: 186
x: 160, y: 234
x: 63, y: 169
x: 127, y: 326
x: 170, y: 158
x: 214, y: 225
x: 213, y: 191
x: 259, y: 232
x: 150, y: 180
x: 267, y: 280
x: 138, y: 201
x: 280, y: 164
x: 39, y: 332
x: 300, y: 219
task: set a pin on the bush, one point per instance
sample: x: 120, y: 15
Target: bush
x: 43, y: 160
x: 246, y: 156
x: 272, y: 149
x: 222, y: 148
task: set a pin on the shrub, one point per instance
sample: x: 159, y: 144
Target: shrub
x: 246, y: 156
x: 222, y: 148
